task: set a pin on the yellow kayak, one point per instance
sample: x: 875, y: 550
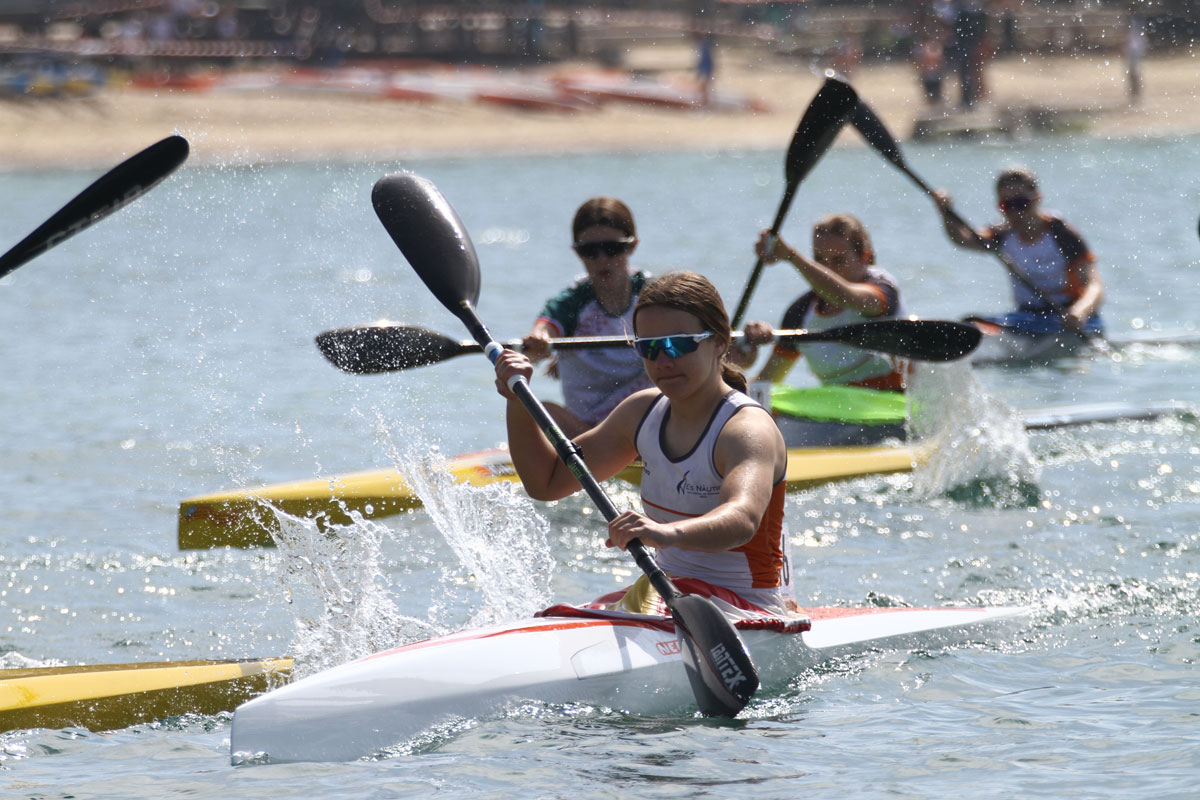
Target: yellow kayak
x: 104, y: 697
x: 240, y: 518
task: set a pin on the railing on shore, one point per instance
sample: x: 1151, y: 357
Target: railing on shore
x: 521, y: 31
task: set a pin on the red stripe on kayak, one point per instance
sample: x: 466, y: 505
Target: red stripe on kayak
x: 830, y: 612
x: 562, y: 626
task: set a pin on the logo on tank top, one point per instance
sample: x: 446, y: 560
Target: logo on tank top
x: 686, y: 487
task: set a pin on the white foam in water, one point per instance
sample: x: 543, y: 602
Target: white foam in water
x: 343, y: 604
x: 969, y: 435
x: 335, y: 577
x: 499, y: 537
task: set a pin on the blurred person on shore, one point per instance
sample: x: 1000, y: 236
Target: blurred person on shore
x: 706, y: 66
x: 1135, y: 49
x: 968, y: 28
x: 847, y: 55
x: 930, y: 69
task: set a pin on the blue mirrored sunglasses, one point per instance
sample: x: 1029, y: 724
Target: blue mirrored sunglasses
x: 680, y: 344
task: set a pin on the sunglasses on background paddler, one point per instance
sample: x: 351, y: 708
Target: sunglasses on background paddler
x: 1019, y: 203
x: 680, y: 344
x: 610, y: 248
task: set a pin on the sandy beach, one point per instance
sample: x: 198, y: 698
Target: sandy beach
x: 244, y: 125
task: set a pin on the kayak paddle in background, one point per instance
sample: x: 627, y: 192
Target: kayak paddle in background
x: 877, y: 136
x: 383, y: 347
x: 118, y: 187
x: 431, y: 236
x: 819, y: 126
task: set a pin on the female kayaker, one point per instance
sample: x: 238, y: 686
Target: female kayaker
x: 847, y: 287
x: 1048, y: 251
x: 598, y: 304
x: 714, y: 461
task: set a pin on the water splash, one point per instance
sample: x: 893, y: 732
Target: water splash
x: 977, y: 448
x: 336, y: 590
x: 500, y: 539
x: 336, y: 578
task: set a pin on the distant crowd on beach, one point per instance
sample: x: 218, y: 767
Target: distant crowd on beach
x: 949, y: 42
x: 957, y: 38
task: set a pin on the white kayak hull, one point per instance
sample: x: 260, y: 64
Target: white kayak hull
x: 1002, y: 346
x: 631, y: 663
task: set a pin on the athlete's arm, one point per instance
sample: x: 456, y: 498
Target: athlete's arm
x: 777, y: 367
x: 607, y: 448
x: 961, y: 234
x: 536, y: 343
x: 858, y: 296
x: 1088, y: 302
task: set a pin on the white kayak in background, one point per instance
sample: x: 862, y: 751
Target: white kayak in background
x: 567, y: 654
x: 1006, y: 346
x: 1000, y: 346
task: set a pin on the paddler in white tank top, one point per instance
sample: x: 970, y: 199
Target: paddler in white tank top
x: 1048, y: 252
x: 847, y: 287
x: 714, y: 491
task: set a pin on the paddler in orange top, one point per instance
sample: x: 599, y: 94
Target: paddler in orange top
x: 714, y: 461
x: 847, y: 287
x: 1049, y: 252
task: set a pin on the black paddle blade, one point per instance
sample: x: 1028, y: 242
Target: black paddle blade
x: 873, y: 131
x: 116, y: 188
x: 431, y: 236
x: 371, y: 349
x: 820, y: 125
x: 718, y: 665
x: 920, y: 340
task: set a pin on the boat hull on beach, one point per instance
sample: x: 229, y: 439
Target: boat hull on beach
x: 569, y: 655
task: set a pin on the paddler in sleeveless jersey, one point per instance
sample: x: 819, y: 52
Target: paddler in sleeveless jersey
x: 1049, y: 252
x: 598, y: 304
x: 846, y: 287
x: 714, y: 461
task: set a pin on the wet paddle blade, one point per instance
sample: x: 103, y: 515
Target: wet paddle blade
x: 118, y: 187
x: 722, y: 675
x: 371, y: 349
x: 920, y: 340
x: 820, y: 125
x: 867, y: 123
x: 431, y: 236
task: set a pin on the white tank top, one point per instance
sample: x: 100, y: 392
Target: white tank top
x: 839, y: 363
x: 678, y: 489
x: 1045, y: 266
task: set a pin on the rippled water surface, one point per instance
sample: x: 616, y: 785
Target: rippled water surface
x: 168, y: 352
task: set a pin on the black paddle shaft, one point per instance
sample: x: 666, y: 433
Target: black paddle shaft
x: 570, y: 454
x: 370, y: 349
